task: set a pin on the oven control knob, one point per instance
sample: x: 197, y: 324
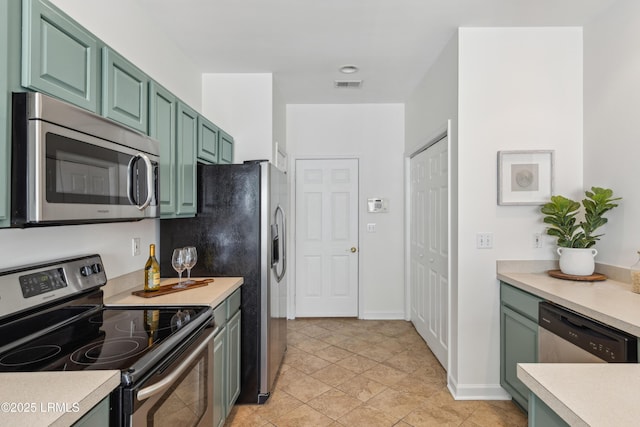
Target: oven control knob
x: 97, y: 268
x: 86, y: 270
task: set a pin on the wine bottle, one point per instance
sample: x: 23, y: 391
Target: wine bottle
x: 152, y: 271
x: 151, y: 321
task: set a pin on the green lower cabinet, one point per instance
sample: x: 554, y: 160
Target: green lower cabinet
x: 98, y: 416
x: 59, y: 57
x: 186, y: 147
x: 124, y: 91
x: 540, y: 415
x: 233, y: 368
x: 518, y: 339
x: 225, y: 148
x: 219, y: 378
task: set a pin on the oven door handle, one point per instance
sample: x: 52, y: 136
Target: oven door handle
x: 167, y: 381
x: 149, y: 180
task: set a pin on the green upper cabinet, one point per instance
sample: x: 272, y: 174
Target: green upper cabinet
x: 162, y: 127
x: 124, y: 91
x: 59, y: 57
x: 9, y: 81
x: 186, y: 147
x: 225, y: 146
x: 207, y: 141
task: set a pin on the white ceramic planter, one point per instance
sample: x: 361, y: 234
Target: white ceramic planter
x: 577, y: 261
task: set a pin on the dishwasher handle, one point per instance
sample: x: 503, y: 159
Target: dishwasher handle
x: 608, y: 343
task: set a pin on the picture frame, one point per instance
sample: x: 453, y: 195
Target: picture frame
x: 525, y: 177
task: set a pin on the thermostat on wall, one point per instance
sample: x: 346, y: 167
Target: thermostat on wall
x: 376, y: 205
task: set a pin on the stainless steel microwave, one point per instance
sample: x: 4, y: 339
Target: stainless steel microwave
x: 70, y: 166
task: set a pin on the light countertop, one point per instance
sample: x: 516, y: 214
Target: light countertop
x: 52, y: 398
x: 212, y: 294
x: 610, y: 302
x: 587, y: 394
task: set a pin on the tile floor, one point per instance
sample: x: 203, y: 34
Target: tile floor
x: 348, y: 372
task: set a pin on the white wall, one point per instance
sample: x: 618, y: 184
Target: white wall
x: 374, y: 133
x: 242, y: 105
x: 433, y: 103
x: 611, y: 131
x: 504, y: 89
x: 519, y: 89
x: 279, y: 119
x: 111, y: 241
x: 126, y: 27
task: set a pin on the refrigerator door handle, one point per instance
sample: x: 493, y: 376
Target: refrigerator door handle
x: 283, y: 255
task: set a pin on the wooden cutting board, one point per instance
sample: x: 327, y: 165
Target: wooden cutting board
x: 595, y: 277
x: 169, y: 289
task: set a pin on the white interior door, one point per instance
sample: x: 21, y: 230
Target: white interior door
x: 429, y: 247
x: 327, y: 238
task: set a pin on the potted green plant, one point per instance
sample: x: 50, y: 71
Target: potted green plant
x: 576, y: 239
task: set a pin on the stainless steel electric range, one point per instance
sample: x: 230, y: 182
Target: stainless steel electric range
x: 52, y: 318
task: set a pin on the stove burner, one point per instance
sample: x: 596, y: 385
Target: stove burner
x: 109, y: 351
x: 30, y: 355
x: 101, y: 319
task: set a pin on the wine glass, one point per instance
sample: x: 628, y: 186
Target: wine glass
x: 189, y: 262
x: 179, y: 319
x: 178, y: 264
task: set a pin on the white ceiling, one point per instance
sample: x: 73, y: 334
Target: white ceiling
x: 304, y: 42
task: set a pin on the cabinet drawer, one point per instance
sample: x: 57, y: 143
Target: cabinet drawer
x: 220, y: 314
x: 521, y: 301
x: 233, y: 303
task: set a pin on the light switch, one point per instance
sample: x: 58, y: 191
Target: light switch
x: 484, y: 240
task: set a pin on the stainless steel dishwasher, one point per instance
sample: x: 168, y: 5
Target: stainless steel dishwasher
x: 565, y: 336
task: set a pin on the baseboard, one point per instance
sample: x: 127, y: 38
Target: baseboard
x: 476, y: 391
x: 382, y: 315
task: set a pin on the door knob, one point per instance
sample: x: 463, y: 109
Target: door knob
x: 353, y: 250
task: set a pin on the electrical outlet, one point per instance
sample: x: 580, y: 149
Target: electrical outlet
x: 537, y: 240
x: 371, y: 227
x: 484, y: 240
x: 135, y: 246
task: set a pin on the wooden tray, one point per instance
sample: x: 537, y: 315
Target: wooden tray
x: 169, y: 289
x: 595, y: 277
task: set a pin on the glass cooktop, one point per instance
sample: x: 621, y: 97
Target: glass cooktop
x: 109, y: 338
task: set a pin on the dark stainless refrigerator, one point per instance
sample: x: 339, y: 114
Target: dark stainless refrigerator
x: 240, y: 230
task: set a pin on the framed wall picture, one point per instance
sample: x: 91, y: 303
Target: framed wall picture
x: 525, y: 177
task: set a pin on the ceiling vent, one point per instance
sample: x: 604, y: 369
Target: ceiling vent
x: 353, y: 84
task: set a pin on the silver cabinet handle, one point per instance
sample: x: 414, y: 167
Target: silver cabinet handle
x: 150, y: 188
x: 167, y: 381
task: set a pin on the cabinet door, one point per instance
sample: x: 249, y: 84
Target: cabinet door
x: 9, y: 81
x: 225, y: 147
x: 207, y: 141
x: 96, y: 417
x: 233, y: 368
x: 518, y: 344
x: 124, y: 91
x: 186, y: 146
x: 540, y: 415
x: 219, y: 378
x: 162, y: 126
x: 59, y: 57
